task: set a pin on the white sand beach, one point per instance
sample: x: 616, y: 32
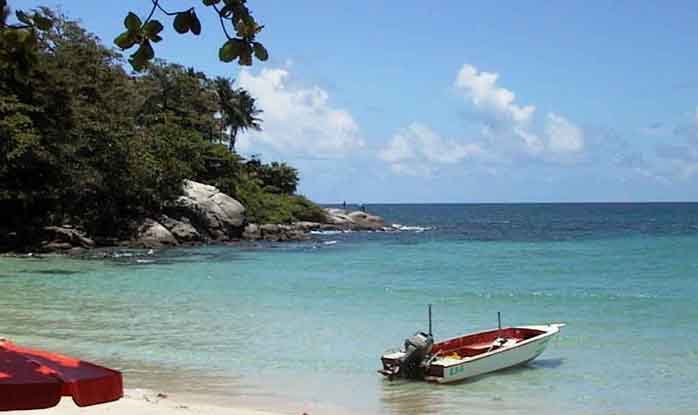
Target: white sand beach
x: 141, y: 402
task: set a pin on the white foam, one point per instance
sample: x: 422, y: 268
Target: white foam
x: 411, y: 228
x: 338, y: 232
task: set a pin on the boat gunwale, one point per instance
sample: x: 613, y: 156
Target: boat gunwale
x: 548, y: 331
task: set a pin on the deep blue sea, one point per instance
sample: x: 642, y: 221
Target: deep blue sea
x: 302, y: 325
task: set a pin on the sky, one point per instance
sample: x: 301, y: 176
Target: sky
x: 460, y: 101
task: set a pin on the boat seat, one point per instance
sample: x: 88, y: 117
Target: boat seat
x: 480, y: 346
x: 487, y: 345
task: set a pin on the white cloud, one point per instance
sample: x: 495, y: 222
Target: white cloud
x: 481, y: 89
x: 508, y: 132
x: 656, y: 129
x: 516, y: 134
x: 563, y: 136
x: 417, y: 149
x: 681, y: 160
x: 297, y: 121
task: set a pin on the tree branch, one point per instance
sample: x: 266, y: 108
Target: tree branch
x: 220, y: 17
x: 152, y: 11
x: 156, y: 3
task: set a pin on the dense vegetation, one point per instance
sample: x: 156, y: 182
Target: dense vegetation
x: 84, y: 142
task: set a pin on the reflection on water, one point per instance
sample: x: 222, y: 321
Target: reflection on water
x: 403, y: 397
x: 537, y: 364
x: 51, y: 271
x: 411, y: 398
x: 541, y: 363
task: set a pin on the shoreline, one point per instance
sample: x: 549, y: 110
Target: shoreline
x: 137, y: 401
x: 166, y: 232
x: 147, y: 402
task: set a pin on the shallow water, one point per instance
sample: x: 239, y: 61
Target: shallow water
x: 307, y: 322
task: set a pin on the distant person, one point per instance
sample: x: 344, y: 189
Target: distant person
x: 344, y: 205
x: 363, y: 208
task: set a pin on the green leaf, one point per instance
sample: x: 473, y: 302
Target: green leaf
x: 156, y: 38
x: 140, y: 58
x: 230, y: 50
x: 132, y: 22
x: 194, y: 23
x: 147, y: 50
x: 181, y: 22
x: 245, y: 56
x: 137, y: 65
x: 260, y: 51
x: 125, y: 40
x: 43, y: 23
x: 152, y: 28
x: 211, y: 2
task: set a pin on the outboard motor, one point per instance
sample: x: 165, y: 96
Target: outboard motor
x: 409, y: 362
x: 417, y: 349
x: 412, y: 360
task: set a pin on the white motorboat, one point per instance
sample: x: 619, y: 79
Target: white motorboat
x: 467, y: 356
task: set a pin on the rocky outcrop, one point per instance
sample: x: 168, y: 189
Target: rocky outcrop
x: 152, y: 234
x: 338, y: 217
x: 357, y: 220
x: 63, y: 238
x: 56, y: 246
x: 337, y: 220
x: 277, y: 233
x: 202, y: 214
x: 181, y: 229
x: 365, y: 221
x: 212, y: 211
x: 69, y: 235
x: 252, y: 232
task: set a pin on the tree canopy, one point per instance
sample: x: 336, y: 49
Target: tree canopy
x: 84, y: 142
x: 238, y: 110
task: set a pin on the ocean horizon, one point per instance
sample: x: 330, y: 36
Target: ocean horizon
x: 304, y: 323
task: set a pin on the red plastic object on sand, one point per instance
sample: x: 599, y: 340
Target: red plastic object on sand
x: 35, y: 379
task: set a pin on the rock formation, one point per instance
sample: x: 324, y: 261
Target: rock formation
x: 204, y: 214
x: 219, y: 215
x: 152, y: 234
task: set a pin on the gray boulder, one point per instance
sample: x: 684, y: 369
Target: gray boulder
x: 220, y: 215
x: 339, y: 217
x: 295, y: 234
x: 152, y: 234
x: 181, y: 229
x: 277, y: 233
x: 365, y: 221
x: 306, y: 226
x: 55, y: 246
x: 252, y: 232
x: 358, y: 220
x: 270, y: 232
x: 67, y: 235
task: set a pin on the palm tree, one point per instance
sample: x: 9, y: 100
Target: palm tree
x: 238, y: 110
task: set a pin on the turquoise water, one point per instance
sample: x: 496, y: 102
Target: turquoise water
x: 306, y: 323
